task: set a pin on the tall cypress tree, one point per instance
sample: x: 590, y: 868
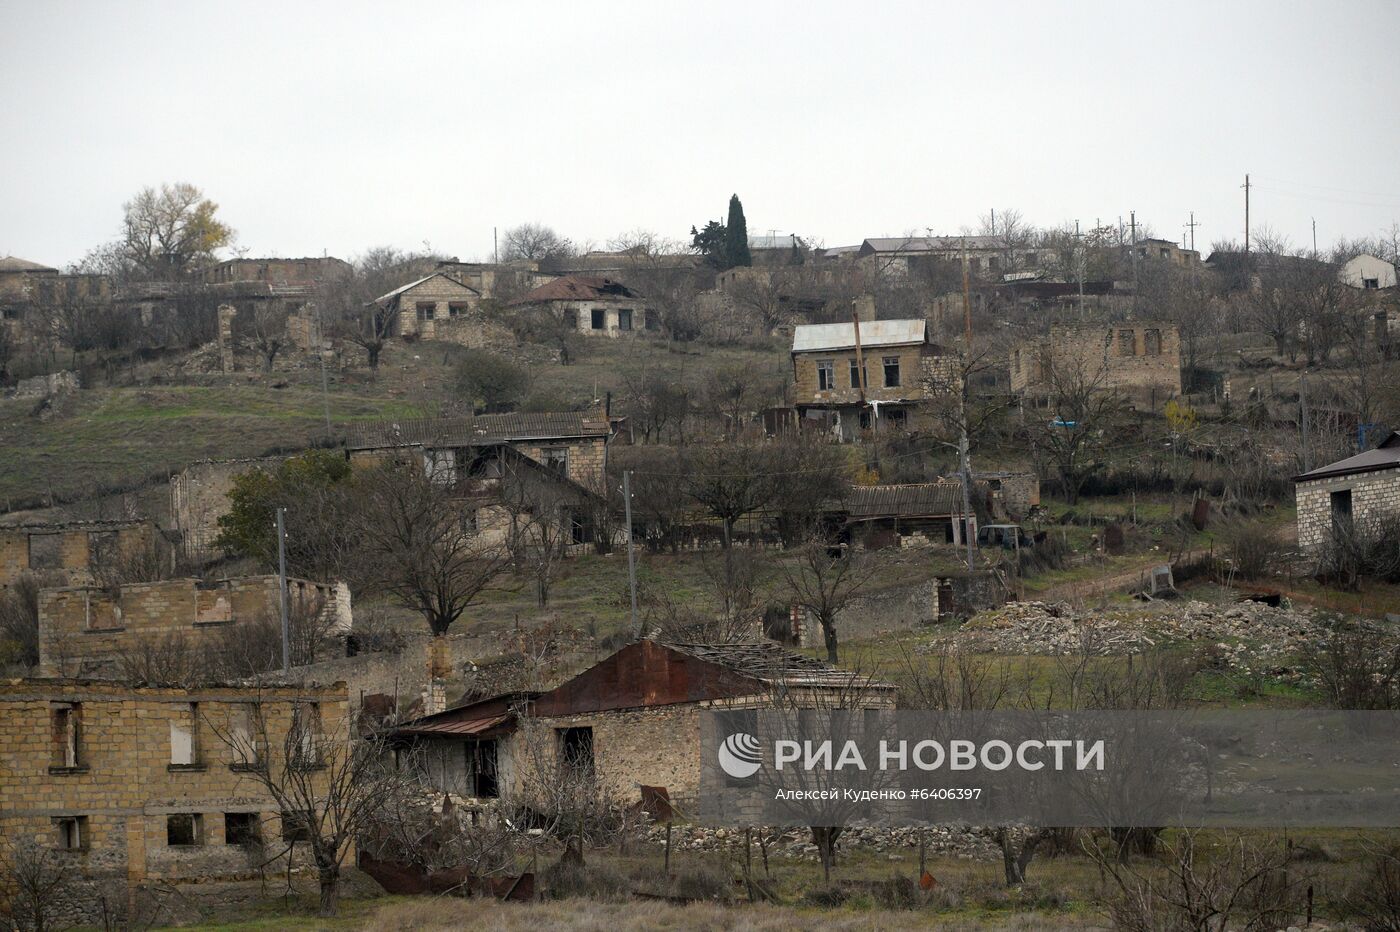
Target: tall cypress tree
x: 737, y: 234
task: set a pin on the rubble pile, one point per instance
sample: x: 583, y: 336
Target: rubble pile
x: 1058, y: 629
x: 969, y: 843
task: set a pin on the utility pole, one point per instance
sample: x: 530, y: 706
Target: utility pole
x: 1303, y: 422
x: 1079, y: 243
x: 1192, y: 227
x: 1132, y: 251
x: 1314, y: 220
x: 495, y: 249
x: 325, y: 392
x: 631, y: 559
x: 282, y: 590
x: 860, y: 355
x: 967, y: 301
x: 1246, y: 213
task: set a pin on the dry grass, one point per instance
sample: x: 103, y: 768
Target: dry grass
x: 595, y: 916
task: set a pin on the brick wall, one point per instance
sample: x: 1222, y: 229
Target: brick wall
x: 199, y: 498
x: 1375, y: 497
x: 1141, y: 359
x: 71, y: 549
x: 447, y: 298
x: 83, y: 630
x: 916, y: 363
x: 124, y: 784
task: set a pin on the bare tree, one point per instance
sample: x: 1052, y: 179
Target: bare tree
x: 656, y: 400
x: 348, y: 302
x: 330, y: 779
x: 19, y: 621
x: 730, y: 480
x: 823, y: 580
x: 1081, y: 409
x: 543, y: 516
x: 37, y: 885
x: 536, y: 242
x: 419, y: 543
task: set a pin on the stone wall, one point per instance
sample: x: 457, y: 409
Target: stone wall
x: 124, y: 783
x: 199, y: 498
x: 1375, y: 498
x: 911, y: 375
x: 44, y: 386
x: 611, y: 316
x: 444, y: 302
x: 1140, y: 359
x: 84, y: 630
x: 73, y: 550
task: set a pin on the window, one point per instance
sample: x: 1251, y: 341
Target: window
x: 576, y: 749
x: 183, y: 747
x: 455, y: 311
x: 1030, y: 258
x: 296, y: 826
x: 653, y: 322
x: 481, y: 769
x: 599, y: 318
x: 1127, y: 346
x: 1371, y: 283
x: 1341, y: 511
x: 580, y: 527
x: 1152, y: 342
x: 897, y: 417
x: 306, y: 730
x: 243, y: 740
x: 826, y: 375
x: 46, y: 551
x: 102, y: 548
x: 556, y: 458
x: 856, y: 375
x: 471, y: 524
x: 624, y: 319
x: 891, y: 364
x: 426, y: 311
x: 72, y: 832
x: 242, y: 828
x: 1166, y: 253
x: 184, y: 829
x: 66, y: 719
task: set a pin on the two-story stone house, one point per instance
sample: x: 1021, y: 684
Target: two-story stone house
x: 868, y: 374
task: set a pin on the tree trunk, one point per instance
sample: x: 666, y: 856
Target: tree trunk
x: 372, y: 352
x: 824, y: 837
x: 330, y: 890
x: 829, y: 636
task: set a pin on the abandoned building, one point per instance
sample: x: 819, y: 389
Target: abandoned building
x: 1141, y: 360
x: 868, y: 374
x: 78, y: 551
x: 1164, y: 250
x: 879, y: 516
x: 91, y: 631
x: 633, y: 718
x: 154, y: 784
x: 199, y: 498
x: 436, y: 307
x: 306, y: 271
x: 598, y: 306
x: 574, y: 444
x: 1367, y: 272
x: 1360, y: 493
x: 27, y: 287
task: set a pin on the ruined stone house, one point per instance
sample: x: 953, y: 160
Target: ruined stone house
x: 572, y: 443
x: 868, y: 375
x: 440, y: 307
x: 633, y: 718
x: 199, y: 497
x: 912, y: 515
x: 1360, y: 493
x: 1139, y: 359
x: 136, y: 785
x: 86, y: 631
x: 595, y: 305
x: 77, y: 551
x: 1162, y: 250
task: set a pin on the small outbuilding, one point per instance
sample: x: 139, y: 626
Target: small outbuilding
x: 1360, y: 493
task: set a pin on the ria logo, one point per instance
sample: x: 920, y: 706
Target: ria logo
x: 739, y: 756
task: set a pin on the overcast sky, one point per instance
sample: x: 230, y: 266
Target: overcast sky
x: 339, y: 126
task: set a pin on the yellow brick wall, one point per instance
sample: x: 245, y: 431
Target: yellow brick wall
x: 74, y: 547
x: 805, y: 391
x: 125, y: 787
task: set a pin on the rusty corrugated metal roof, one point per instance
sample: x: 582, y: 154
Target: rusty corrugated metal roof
x: 579, y: 288
x: 456, y: 727
x: 769, y: 663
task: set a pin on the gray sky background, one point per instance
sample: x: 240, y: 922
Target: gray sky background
x: 339, y: 126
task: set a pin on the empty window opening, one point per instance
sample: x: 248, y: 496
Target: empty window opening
x: 826, y: 375
x: 46, y: 551
x: 481, y: 769
x: 599, y: 320
x: 184, y: 829
x: 183, y: 748
x: 624, y: 319
x: 1152, y: 342
x: 242, y: 828
x: 72, y: 832
x: 891, y: 364
x: 576, y: 749
x: 1127, y: 346
x: 67, y: 739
